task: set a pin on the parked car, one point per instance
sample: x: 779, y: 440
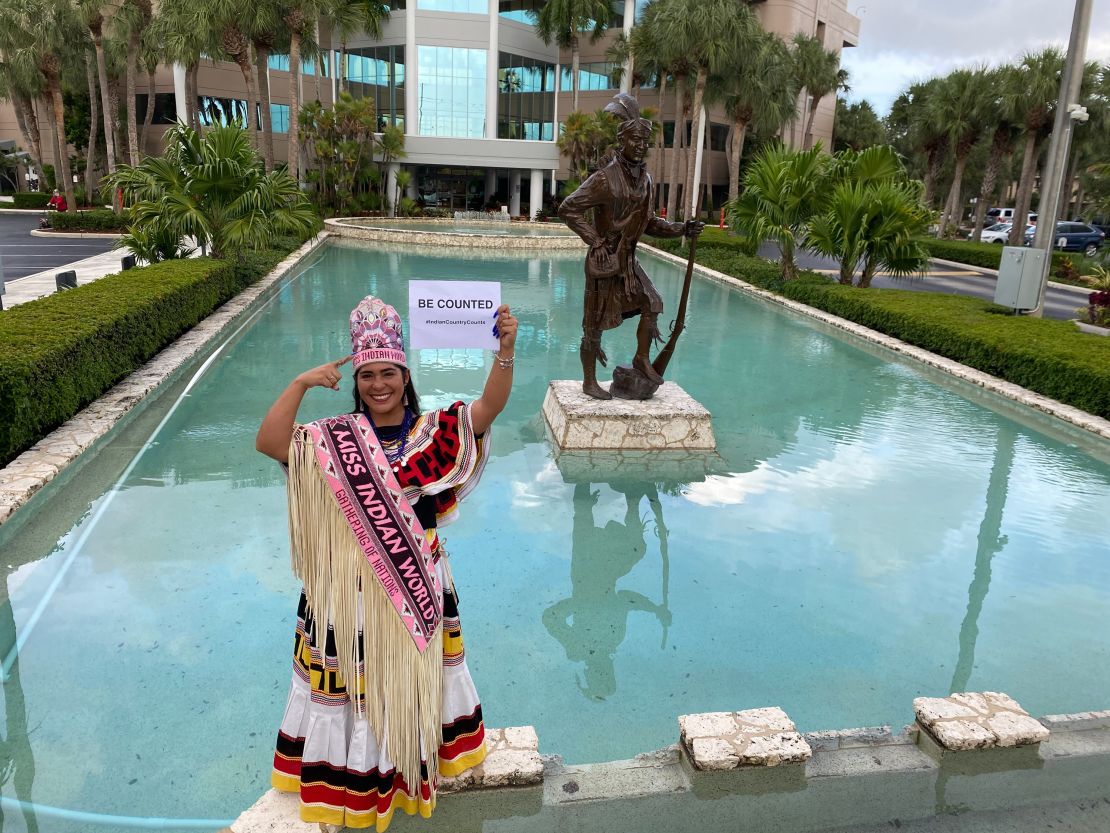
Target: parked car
x: 1073, y: 237
x: 998, y: 233
x: 1102, y: 224
x: 1004, y: 215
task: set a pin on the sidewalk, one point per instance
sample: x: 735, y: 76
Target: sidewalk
x: 42, y: 283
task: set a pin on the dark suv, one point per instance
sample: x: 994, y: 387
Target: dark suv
x: 1074, y: 237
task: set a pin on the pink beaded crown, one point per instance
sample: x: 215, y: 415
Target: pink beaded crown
x: 376, y: 334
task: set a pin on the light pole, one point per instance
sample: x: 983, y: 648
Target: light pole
x: 1067, y: 111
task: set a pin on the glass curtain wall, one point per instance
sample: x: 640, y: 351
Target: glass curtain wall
x: 378, y: 73
x: 519, y: 10
x: 461, y: 6
x: 451, y: 98
x: 593, y: 76
x: 525, y: 98
x: 308, y: 66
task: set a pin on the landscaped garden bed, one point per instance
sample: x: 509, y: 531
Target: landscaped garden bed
x: 97, y: 220
x: 1047, y: 356
x: 989, y: 256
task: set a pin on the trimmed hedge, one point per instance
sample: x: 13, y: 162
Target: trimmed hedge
x: 32, y: 199
x: 1048, y: 356
x: 59, y: 353
x: 984, y: 255
x: 98, y: 219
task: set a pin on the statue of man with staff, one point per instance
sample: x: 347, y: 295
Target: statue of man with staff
x: 620, y: 196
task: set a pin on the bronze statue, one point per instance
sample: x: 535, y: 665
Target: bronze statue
x: 620, y: 194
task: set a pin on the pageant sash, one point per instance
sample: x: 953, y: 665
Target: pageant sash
x: 381, y: 519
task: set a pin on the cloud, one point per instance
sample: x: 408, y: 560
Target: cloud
x: 904, y: 42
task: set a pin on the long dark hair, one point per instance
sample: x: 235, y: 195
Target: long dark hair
x: 412, y: 401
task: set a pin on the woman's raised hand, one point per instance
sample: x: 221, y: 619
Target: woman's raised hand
x: 326, y: 375
x: 506, y: 329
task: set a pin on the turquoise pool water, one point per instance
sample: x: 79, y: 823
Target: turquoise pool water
x: 463, y: 227
x: 868, y: 534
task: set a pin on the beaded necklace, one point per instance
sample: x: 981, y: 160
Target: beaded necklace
x: 395, y: 448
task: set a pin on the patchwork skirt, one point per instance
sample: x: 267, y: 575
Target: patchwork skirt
x: 329, y: 756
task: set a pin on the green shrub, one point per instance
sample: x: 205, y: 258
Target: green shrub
x: 32, y: 199
x: 1047, y: 356
x: 987, y: 255
x: 99, y: 219
x: 61, y: 352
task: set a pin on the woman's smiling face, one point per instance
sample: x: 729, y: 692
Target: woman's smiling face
x: 381, y: 386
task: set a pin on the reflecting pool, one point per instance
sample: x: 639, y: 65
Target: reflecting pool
x: 869, y: 532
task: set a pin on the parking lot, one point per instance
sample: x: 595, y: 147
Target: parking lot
x: 24, y: 255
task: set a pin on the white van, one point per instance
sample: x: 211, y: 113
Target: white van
x: 1004, y: 215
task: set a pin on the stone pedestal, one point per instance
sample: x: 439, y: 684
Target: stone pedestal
x: 670, y: 421
x: 974, y: 720
x: 716, y: 741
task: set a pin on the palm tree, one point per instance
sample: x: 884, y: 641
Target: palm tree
x: 710, y: 33
x: 92, y: 11
x: 574, y: 142
x: 565, y: 22
x: 818, y: 72
x: 348, y: 17
x: 1030, y: 100
x: 297, y: 16
x: 183, y: 39
x: 782, y: 194
x: 760, y: 92
x: 213, y: 188
x: 959, y: 107
x: 924, y: 133
x: 1002, y: 135
x: 20, y: 83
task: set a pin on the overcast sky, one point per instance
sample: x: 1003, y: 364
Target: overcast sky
x: 902, y: 41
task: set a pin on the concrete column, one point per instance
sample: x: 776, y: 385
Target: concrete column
x: 554, y: 184
x: 411, y: 191
x: 491, y: 183
x: 180, y: 98
x: 412, y: 81
x: 514, y: 193
x: 391, y: 186
x: 629, y: 16
x: 491, y: 72
x: 535, y: 193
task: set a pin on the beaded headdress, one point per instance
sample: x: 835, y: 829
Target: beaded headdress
x: 376, y: 334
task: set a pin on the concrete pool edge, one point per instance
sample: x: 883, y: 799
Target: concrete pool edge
x: 1016, y: 393
x: 343, y: 227
x: 855, y: 777
x: 28, y: 473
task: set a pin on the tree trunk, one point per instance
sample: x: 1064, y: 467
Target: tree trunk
x: 294, y: 104
x: 1025, y: 189
x: 28, y: 133
x: 952, y: 212
x: 132, y: 115
x: 193, y: 94
x: 706, y: 190
x: 105, y: 101
x: 869, y: 269
x: 341, y: 68
x: 94, y: 117
x: 986, y: 190
x: 61, y: 165
x: 932, y: 170
x: 814, y: 101
x: 317, y: 61
x: 736, y: 151
x: 574, y: 73
x: 148, y: 115
x: 242, y: 59
x: 688, y: 139
x: 691, y: 200
x: 262, y: 62
x: 672, y: 178
x: 661, y: 144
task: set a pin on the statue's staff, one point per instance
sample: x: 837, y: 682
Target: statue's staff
x: 679, y: 324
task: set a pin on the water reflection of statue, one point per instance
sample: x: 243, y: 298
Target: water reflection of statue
x: 592, y: 623
x: 17, y: 762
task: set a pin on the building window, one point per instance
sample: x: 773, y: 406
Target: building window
x: 214, y: 110
x: 522, y: 11
x: 598, y: 75
x: 308, y: 66
x: 451, y: 99
x: 279, y: 118
x: 460, y: 6
x: 378, y: 73
x: 718, y: 136
x: 525, y: 98
x: 165, y: 108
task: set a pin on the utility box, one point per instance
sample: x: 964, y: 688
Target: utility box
x: 1019, y: 277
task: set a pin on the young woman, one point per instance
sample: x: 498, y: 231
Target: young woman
x: 381, y: 701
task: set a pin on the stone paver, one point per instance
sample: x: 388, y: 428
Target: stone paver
x: 34, y: 468
x: 976, y: 720
x: 439, y: 234
x: 716, y: 741
x: 671, y: 420
x: 512, y: 760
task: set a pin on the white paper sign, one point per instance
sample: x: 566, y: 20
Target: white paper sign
x: 453, y: 314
